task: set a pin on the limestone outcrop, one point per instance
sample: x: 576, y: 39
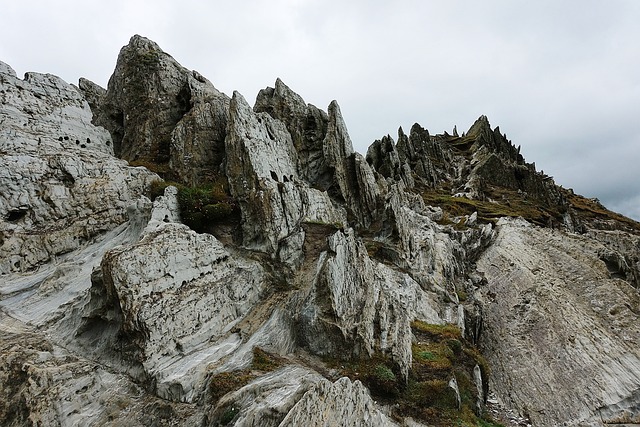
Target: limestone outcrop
x: 553, y: 322
x: 159, y: 113
x: 307, y: 126
x: 263, y: 177
x: 357, y: 307
x: 181, y: 293
x: 440, y: 280
x: 61, y: 185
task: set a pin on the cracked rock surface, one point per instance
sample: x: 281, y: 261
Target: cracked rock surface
x: 437, y: 281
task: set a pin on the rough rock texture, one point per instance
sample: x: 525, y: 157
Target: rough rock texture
x: 356, y: 306
x: 158, y: 112
x: 343, y: 403
x: 45, y: 385
x: 267, y: 400
x: 57, y: 171
x: 263, y: 177
x: 383, y: 156
x: 562, y: 337
x: 346, y: 292
x: 183, y: 293
x: 353, y: 176
x: 307, y: 126
x: 324, y: 152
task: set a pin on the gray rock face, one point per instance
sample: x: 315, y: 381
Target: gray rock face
x: 417, y: 150
x: 267, y: 400
x: 352, y: 175
x: 263, y: 177
x: 45, y: 385
x: 324, y: 152
x: 57, y: 171
x: 160, y: 113
x: 182, y: 293
x: 307, y: 126
x: 383, y: 156
x: 557, y: 325
x: 343, y: 403
x: 356, y: 306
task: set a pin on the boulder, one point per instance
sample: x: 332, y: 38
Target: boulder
x: 180, y: 294
x: 342, y: 403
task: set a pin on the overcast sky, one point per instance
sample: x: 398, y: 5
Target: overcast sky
x: 560, y: 78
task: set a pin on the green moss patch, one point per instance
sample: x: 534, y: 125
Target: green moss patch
x: 441, y: 353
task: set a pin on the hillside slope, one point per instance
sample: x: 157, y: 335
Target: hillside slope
x: 170, y: 255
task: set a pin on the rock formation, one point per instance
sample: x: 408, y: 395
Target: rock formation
x: 439, y: 281
x: 160, y: 113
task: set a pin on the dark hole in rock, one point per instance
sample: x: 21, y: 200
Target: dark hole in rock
x: 274, y: 175
x: 66, y: 138
x: 16, y: 215
x: 83, y: 146
x: 614, y: 269
x: 88, y: 140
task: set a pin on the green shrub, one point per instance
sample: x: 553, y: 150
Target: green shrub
x: 455, y: 345
x: 199, y: 206
x: 225, y: 382
x: 382, y: 381
x: 383, y: 373
x: 433, y: 393
x: 265, y: 361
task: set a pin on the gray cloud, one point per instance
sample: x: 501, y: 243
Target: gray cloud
x: 560, y: 78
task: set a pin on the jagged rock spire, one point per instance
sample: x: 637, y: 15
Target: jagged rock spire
x: 160, y: 113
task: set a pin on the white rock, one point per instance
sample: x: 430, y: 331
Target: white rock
x: 183, y: 293
x: 557, y: 325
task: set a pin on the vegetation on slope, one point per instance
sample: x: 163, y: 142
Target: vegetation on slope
x: 200, y: 207
x: 440, y: 354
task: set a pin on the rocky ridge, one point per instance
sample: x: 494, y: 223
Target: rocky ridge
x: 329, y: 288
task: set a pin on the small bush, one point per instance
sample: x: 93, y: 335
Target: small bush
x: 216, y: 211
x: 383, y: 373
x: 225, y: 382
x: 382, y: 381
x: 433, y: 393
x: 156, y: 188
x: 199, y: 206
x: 455, y: 345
